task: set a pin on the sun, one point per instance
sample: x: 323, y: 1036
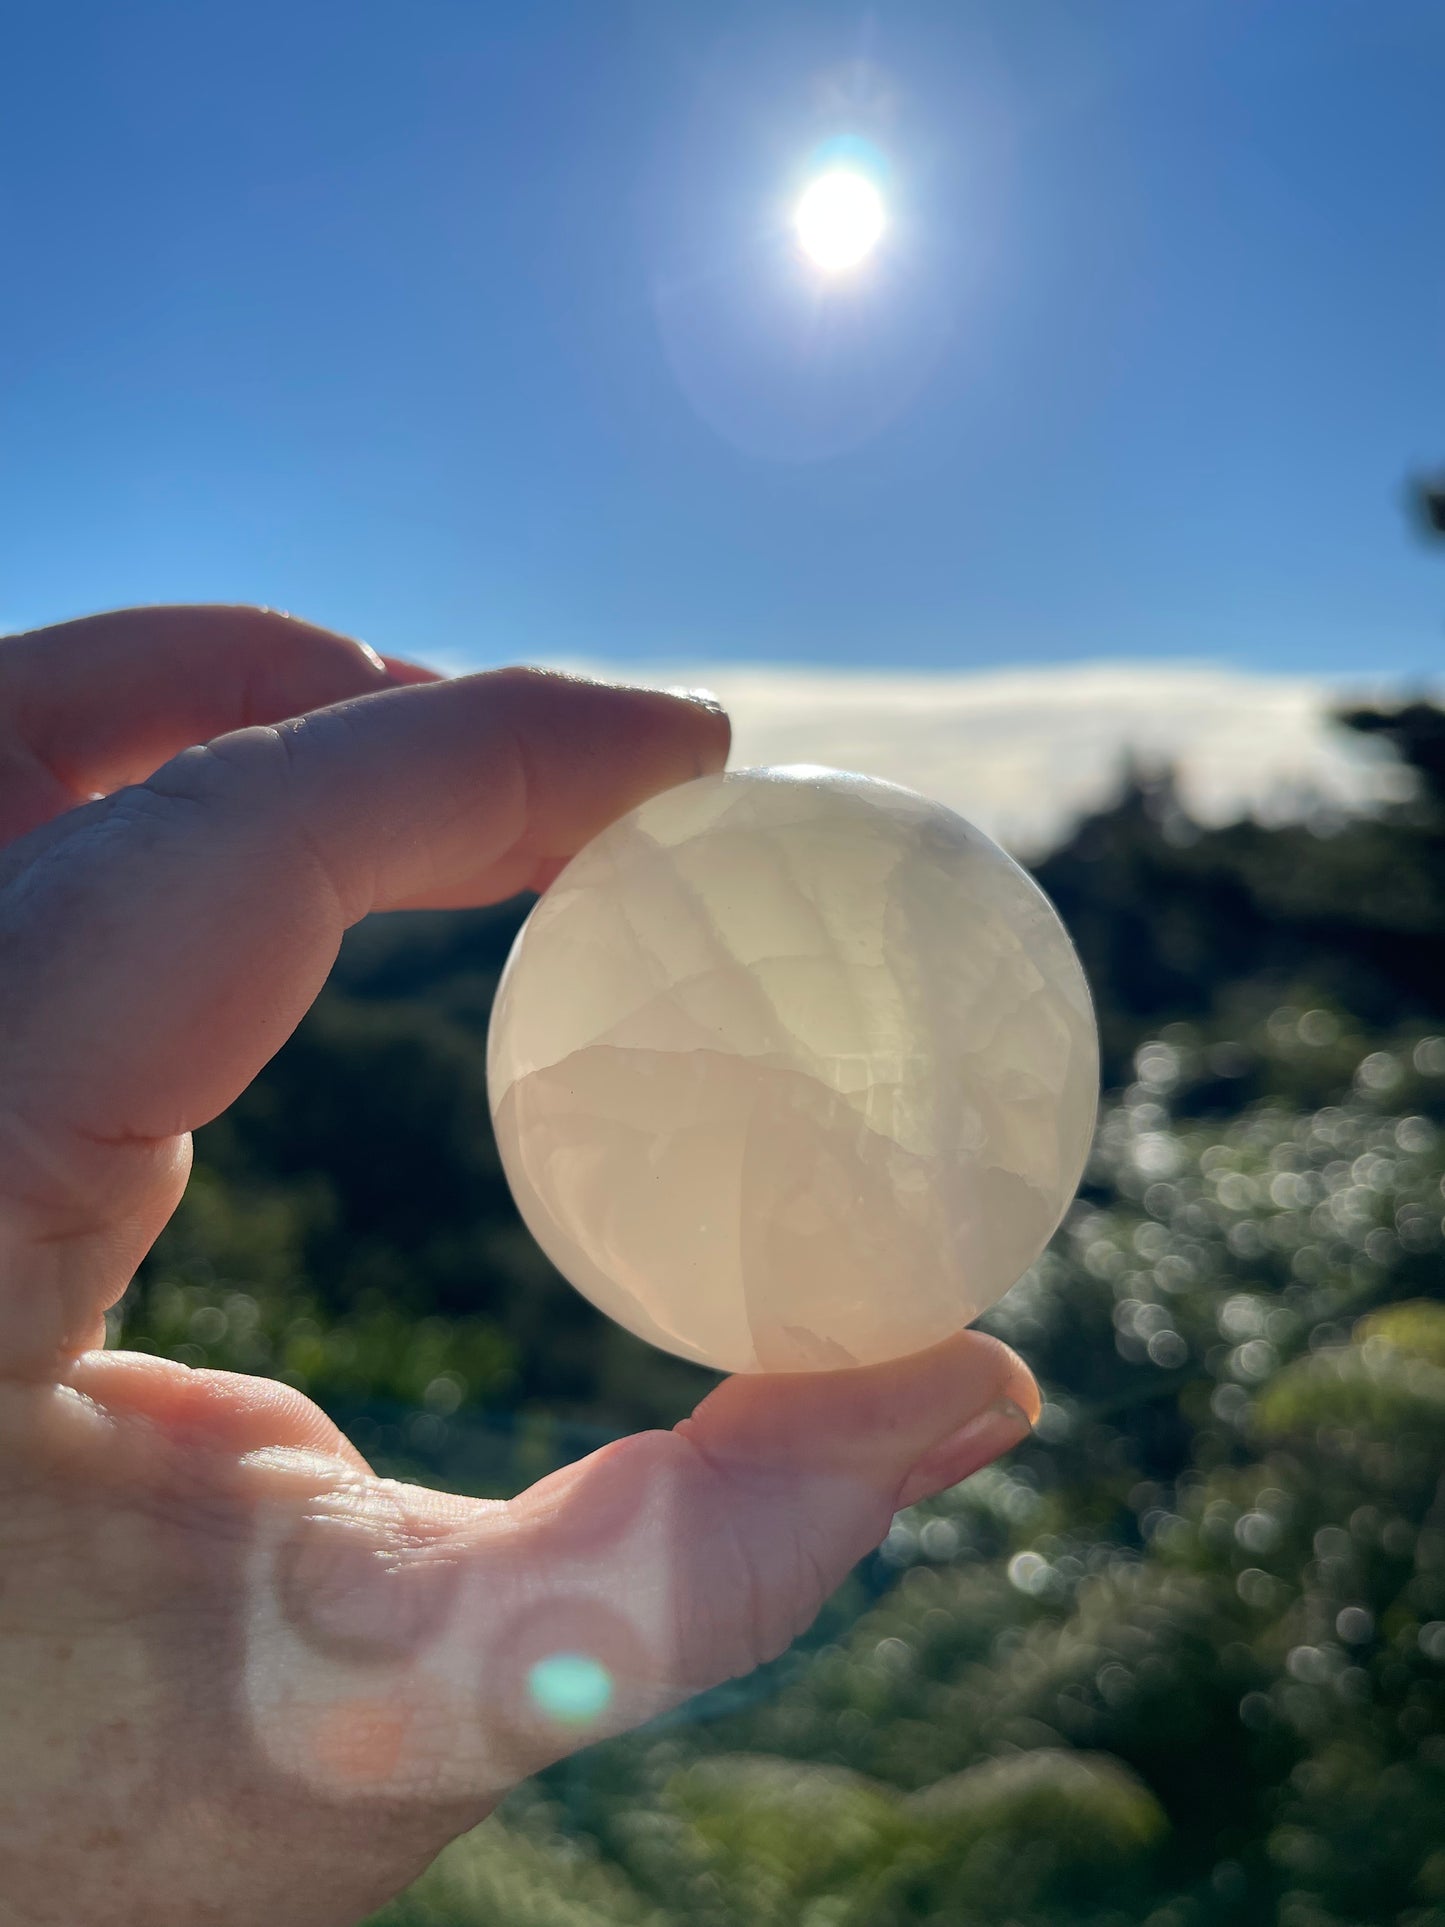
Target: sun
x: 840, y: 219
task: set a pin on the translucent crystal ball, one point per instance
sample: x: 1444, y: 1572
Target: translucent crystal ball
x: 791, y: 1070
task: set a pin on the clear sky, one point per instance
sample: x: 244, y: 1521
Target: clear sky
x: 480, y: 330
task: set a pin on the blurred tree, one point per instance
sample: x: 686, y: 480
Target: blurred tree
x: 1032, y: 1833
x: 1427, y: 498
x: 1218, y: 927
x: 1417, y: 732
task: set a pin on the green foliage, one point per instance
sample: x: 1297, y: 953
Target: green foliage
x: 784, y: 1841
x: 227, y: 1287
x: 516, y: 1874
x: 1417, y: 1329
x: 1219, y: 928
x: 1181, y: 1659
x: 1034, y: 1830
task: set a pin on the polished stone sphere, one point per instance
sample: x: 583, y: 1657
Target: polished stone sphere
x: 792, y: 1070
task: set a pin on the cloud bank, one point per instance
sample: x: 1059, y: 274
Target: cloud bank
x: 1024, y: 752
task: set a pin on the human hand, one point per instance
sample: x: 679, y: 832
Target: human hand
x: 241, y: 1678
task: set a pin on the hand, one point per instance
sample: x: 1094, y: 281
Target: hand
x: 241, y: 1678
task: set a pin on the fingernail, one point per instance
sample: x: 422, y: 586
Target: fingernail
x: 371, y: 656
x: 704, y: 698
x: 985, y: 1438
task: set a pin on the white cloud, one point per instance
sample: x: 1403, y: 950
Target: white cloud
x: 1022, y: 752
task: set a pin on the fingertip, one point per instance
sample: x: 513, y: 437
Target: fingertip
x: 595, y: 749
x: 981, y: 1441
x: 867, y: 1414
x: 709, y: 724
x: 1015, y: 1380
x: 547, y: 873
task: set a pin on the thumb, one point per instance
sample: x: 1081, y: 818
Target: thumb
x: 463, y: 1650
x: 804, y: 1472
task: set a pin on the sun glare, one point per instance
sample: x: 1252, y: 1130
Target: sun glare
x: 840, y: 219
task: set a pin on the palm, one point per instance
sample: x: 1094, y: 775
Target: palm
x: 240, y: 1676
x: 132, y: 1783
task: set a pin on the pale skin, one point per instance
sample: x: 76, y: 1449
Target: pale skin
x: 241, y: 1678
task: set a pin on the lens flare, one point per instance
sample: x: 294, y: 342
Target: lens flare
x: 571, y: 1687
x: 840, y: 219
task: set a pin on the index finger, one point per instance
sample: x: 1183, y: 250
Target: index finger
x: 161, y: 944
x: 90, y: 705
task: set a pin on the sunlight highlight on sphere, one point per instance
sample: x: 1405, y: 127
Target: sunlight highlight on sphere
x: 840, y: 219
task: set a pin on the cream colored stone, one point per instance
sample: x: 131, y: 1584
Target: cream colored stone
x: 793, y: 1069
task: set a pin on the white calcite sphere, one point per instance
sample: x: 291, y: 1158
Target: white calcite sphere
x: 792, y: 1070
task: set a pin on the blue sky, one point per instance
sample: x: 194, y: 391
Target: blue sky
x: 478, y: 330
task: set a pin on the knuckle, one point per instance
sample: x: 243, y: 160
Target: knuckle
x: 202, y: 787
x: 521, y: 679
x: 254, y: 782
x: 763, y: 1568
x: 521, y: 695
x: 209, y: 772
x: 290, y: 666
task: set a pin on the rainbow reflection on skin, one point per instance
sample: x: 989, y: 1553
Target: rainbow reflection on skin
x: 380, y: 1671
x: 376, y: 1666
